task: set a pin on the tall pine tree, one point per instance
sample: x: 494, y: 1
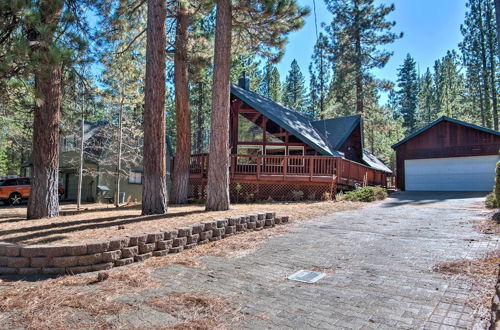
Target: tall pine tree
x: 294, y: 90
x: 320, y: 77
x: 407, y: 94
x: 479, y: 49
x: 270, y: 86
x: 357, y: 32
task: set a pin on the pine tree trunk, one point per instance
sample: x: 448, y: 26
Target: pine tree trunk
x: 154, y: 193
x: 358, y: 69
x: 492, y: 66
x: 484, y: 65
x: 180, y: 174
x: 218, y: 165
x: 199, y: 120
x: 44, y: 197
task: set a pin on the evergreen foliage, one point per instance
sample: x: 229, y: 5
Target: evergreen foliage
x: 407, y: 94
x: 294, y: 89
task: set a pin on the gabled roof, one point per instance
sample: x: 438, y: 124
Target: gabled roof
x: 295, y: 122
x: 374, y: 162
x: 336, y: 131
x: 444, y: 118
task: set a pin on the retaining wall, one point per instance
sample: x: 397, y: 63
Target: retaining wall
x: 95, y: 256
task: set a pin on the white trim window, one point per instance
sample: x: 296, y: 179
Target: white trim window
x: 135, y: 177
x: 248, y: 150
x: 296, y: 151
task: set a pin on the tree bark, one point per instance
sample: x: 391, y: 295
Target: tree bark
x: 218, y: 164
x: 199, y: 120
x: 493, y: 66
x: 44, y: 197
x: 358, y: 70
x: 180, y: 174
x: 154, y: 194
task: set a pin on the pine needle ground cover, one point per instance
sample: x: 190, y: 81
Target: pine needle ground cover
x: 95, y: 301
x: 100, y: 222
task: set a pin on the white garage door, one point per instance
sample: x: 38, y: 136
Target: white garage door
x: 451, y: 174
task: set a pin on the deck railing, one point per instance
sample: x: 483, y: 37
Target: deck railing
x: 311, y: 168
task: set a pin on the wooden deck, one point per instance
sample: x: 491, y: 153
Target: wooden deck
x: 308, y: 170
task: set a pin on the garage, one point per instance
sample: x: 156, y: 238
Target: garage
x: 447, y: 155
x: 450, y: 174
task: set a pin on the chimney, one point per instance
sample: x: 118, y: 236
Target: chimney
x: 244, y: 82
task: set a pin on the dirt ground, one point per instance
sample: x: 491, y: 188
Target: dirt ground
x: 102, y: 221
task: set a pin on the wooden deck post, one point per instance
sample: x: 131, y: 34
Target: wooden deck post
x: 311, y: 168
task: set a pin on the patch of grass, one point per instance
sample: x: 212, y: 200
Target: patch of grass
x: 365, y: 194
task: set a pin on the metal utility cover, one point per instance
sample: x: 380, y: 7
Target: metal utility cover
x: 306, y: 276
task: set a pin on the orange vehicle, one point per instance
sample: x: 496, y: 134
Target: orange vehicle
x: 14, y: 190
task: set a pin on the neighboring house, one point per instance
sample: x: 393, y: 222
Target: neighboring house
x: 99, y: 168
x: 282, y: 153
x: 448, y: 155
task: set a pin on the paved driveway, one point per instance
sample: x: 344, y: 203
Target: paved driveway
x: 379, y: 263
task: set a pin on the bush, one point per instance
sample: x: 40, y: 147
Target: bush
x: 297, y: 195
x: 366, y: 194
x: 497, y: 183
x: 493, y: 197
x: 491, y: 201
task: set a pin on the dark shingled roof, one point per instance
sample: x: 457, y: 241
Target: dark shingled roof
x: 297, y: 123
x: 374, y: 162
x: 336, y: 131
x: 444, y: 118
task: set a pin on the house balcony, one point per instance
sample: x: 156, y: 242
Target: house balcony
x: 306, y: 170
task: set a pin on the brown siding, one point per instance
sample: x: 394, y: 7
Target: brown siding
x: 443, y: 140
x: 352, y: 147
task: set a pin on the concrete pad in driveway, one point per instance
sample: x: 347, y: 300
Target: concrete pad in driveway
x: 378, y: 261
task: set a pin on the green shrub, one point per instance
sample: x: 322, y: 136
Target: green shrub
x: 297, y: 195
x: 366, y: 194
x: 493, y: 197
x: 491, y: 201
x: 497, y: 183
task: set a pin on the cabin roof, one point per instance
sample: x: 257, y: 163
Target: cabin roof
x: 336, y: 131
x: 444, y: 118
x: 297, y: 123
x: 374, y: 162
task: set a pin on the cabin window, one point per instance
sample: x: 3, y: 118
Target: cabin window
x: 296, y: 151
x: 248, y: 151
x: 275, y: 150
x: 135, y: 177
x: 249, y: 129
x: 275, y: 133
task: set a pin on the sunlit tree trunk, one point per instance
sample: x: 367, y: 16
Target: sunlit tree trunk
x: 154, y: 194
x: 44, y: 199
x: 218, y: 165
x: 180, y: 174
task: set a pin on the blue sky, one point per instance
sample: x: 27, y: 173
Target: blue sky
x: 430, y: 27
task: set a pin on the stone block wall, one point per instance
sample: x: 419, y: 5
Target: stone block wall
x: 96, y: 256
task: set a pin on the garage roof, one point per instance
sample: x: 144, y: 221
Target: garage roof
x: 444, y: 118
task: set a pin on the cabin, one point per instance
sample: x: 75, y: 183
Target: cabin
x: 447, y: 155
x: 283, y: 154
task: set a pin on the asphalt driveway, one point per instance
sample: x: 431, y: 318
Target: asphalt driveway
x: 378, y: 261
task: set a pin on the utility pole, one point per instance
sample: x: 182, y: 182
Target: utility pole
x: 82, y: 136
x: 119, y: 162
